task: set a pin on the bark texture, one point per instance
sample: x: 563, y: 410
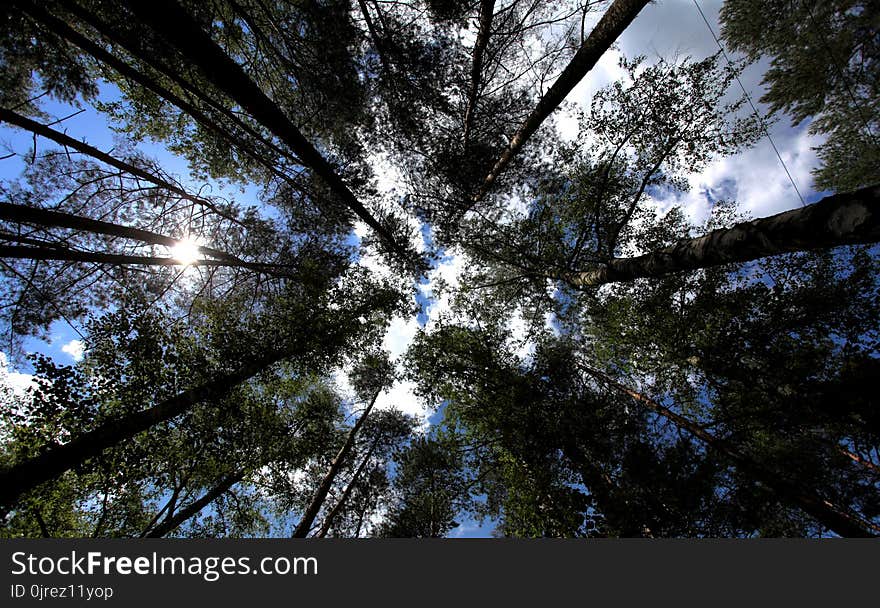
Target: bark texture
x: 849, y: 218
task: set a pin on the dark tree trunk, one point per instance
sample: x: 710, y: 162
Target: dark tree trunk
x: 172, y: 523
x: 831, y: 516
x: 487, y: 11
x: 308, y: 519
x: 615, y: 20
x: 69, y: 142
x: 23, y: 476
x: 116, y: 259
x: 328, y: 520
x: 63, y: 30
x: 180, y: 30
x: 55, y: 219
x: 377, y: 39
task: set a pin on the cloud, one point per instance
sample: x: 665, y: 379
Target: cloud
x: 18, y: 382
x: 75, y: 349
x: 399, y: 336
x: 402, y: 396
x: 754, y: 178
x: 672, y: 28
x: 522, y: 342
x: 449, y: 273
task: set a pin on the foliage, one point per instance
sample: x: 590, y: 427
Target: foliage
x: 713, y: 402
x: 824, y: 64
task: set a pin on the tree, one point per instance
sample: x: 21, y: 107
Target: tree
x: 824, y: 59
x: 671, y: 378
x: 431, y: 488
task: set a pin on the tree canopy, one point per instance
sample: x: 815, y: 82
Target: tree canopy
x: 604, y: 363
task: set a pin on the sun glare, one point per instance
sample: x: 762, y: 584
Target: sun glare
x: 186, y: 251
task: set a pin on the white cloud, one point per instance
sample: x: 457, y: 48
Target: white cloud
x: 361, y: 229
x: 672, y: 28
x: 449, y: 272
x: 16, y: 381
x: 75, y: 349
x: 402, y: 396
x: 399, y: 336
x: 521, y: 341
x: 755, y: 178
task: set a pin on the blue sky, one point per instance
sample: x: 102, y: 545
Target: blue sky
x: 667, y: 28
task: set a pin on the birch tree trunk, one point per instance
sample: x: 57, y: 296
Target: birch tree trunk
x: 849, y: 218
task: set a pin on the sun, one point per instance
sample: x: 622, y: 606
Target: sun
x: 187, y: 250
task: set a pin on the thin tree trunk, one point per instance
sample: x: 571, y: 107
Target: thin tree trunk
x: 615, y: 20
x: 23, y: 122
x: 180, y: 30
x: 867, y: 464
x: 308, y: 519
x: 171, y: 524
x: 328, y: 520
x: 487, y: 11
x: 831, y: 516
x: 44, y: 530
x: 56, y: 219
x: 26, y: 475
x: 103, y: 27
x: 169, y: 507
x: 116, y: 259
x: 377, y: 40
x: 849, y: 218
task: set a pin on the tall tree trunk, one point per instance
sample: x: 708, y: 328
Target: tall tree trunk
x: 172, y: 523
x: 23, y: 122
x: 615, y: 20
x: 308, y: 519
x: 72, y: 255
x: 63, y: 30
x: 169, y: 508
x: 831, y: 516
x: 840, y: 219
x: 56, y: 219
x: 97, y: 23
x: 328, y: 520
x: 487, y: 11
x: 28, y: 474
x: 377, y: 40
x: 179, y: 29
